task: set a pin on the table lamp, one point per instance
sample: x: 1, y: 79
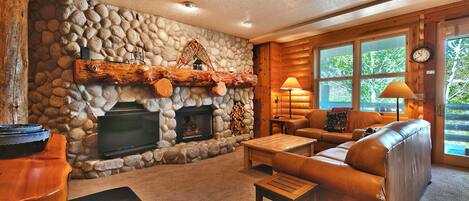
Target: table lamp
x: 397, y: 90
x: 291, y: 83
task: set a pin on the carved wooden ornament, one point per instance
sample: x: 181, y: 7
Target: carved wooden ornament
x: 194, y: 49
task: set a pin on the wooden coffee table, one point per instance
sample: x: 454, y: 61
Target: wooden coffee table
x: 263, y: 149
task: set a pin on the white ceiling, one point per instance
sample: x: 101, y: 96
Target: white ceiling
x: 269, y: 16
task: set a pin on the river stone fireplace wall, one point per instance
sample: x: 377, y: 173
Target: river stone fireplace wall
x: 58, y: 28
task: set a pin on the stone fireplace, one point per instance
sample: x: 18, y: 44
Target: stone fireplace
x: 57, y: 31
x: 194, y: 124
x: 209, y: 113
x: 127, y: 129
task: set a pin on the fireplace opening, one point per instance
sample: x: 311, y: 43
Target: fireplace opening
x: 194, y: 123
x: 126, y: 129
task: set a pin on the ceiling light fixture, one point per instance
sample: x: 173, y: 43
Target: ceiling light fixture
x: 247, y: 24
x: 188, y: 4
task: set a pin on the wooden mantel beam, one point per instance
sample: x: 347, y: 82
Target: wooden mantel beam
x: 13, y: 61
x: 102, y: 72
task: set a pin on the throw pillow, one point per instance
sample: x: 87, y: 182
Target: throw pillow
x: 336, y: 121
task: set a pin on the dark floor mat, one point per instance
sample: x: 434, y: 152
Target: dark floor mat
x: 116, y: 194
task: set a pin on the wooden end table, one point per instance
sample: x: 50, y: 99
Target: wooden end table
x: 281, y: 122
x: 283, y: 187
x: 263, y: 149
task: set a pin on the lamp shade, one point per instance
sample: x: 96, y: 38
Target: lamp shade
x: 290, y: 83
x: 397, y: 90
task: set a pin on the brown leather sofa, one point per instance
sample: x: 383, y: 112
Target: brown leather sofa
x: 392, y: 164
x: 313, y: 127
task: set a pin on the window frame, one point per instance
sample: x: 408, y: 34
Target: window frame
x: 357, y: 76
x: 317, y: 76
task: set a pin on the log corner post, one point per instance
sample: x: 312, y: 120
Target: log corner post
x: 13, y: 61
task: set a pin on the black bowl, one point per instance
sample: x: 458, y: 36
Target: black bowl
x: 19, y: 128
x: 22, y: 140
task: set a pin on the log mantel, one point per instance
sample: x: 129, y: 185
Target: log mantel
x: 102, y: 72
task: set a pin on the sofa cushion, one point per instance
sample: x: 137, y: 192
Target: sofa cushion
x: 334, y: 153
x: 336, y: 138
x: 317, y: 118
x: 346, y: 145
x: 362, y: 120
x: 310, y: 133
x: 336, y: 121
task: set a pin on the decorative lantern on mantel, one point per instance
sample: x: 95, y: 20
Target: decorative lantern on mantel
x: 197, y: 65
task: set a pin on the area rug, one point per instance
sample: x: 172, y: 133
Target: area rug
x: 116, y: 194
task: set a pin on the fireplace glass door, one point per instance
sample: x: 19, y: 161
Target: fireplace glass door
x: 194, y: 123
x: 128, y: 128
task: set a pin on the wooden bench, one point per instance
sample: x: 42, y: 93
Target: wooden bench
x: 282, y: 187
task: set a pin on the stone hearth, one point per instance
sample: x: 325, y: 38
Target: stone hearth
x: 168, y: 152
x: 59, y: 28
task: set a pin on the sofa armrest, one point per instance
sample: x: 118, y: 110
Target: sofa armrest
x: 358, y: 134
x: 288, y: 163
x: 331, y: 174
x: 295, y: 124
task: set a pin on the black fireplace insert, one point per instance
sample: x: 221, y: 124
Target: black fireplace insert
x: 126, y: 129
x: 194, y: 123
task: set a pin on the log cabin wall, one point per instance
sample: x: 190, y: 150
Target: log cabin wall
x: 57, y: 31
x: 296, y: 61
x: 297, y: 56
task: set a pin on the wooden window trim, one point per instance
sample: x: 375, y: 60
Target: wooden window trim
x: 330, y: 47
x: 318, y: 78
x: 356, y: 75
x: 404, y: 74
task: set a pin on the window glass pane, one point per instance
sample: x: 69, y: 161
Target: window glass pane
x: 371, y: 89
x: 335, y: 94
x: 336, y: 62
x: 384, y: 56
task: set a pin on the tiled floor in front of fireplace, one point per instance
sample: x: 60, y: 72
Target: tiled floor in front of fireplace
x: 222, y: 178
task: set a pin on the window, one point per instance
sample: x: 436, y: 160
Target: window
x: 370, y: 89
x: 381, y: 61
x: 335, y: 77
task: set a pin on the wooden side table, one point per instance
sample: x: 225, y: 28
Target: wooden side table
x: 39, y: 177
x: 281, y: 122
x: 282, y: 187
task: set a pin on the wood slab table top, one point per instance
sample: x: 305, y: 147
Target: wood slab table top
x: 278, y: 142
x: 42, y: 176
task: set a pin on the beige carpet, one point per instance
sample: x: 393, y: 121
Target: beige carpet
x: 223, y: 179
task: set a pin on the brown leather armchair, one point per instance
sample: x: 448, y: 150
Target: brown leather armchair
x: 312, y: 126
x: 393, y: 164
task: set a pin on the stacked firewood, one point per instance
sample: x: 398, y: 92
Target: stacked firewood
x: 237, y: 116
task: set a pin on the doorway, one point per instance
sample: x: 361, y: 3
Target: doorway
x: 453, y: 95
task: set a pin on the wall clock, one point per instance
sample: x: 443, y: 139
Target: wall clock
x: 421, y: 55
